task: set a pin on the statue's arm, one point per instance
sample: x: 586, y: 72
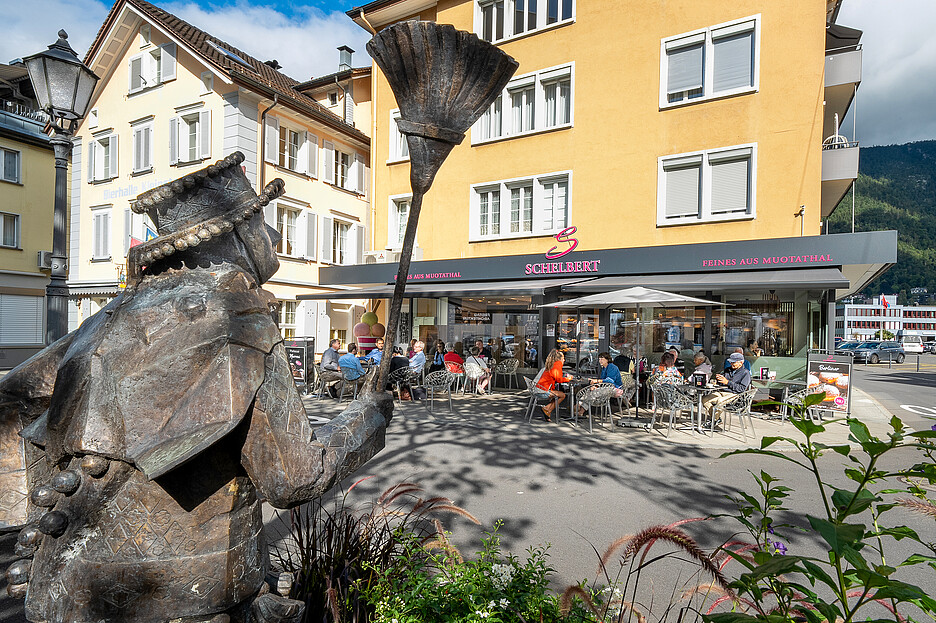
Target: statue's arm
x: 287, y: 463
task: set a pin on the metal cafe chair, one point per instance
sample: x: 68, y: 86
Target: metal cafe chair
x: 598, y: 396
x: 438, y: 382
x: 508, y: 369
x: 397, y: 379
x: 457, y: 371
x: 740, y: 406
x: 473, y: 375
x: 352, y: 380
x: 322, y: 379
x: 538, y: 397
x: 668, y: 398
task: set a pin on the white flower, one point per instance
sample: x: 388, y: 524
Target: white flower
x: 501, y: 575
x: 504, y: 603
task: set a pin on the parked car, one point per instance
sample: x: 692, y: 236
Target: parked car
x: 929, y: 347
x: 846, y: 348
x: 912, y: 343
x: 873, y: 352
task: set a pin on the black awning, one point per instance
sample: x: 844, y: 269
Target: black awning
x: 529, y: 287
x: 812, y: 278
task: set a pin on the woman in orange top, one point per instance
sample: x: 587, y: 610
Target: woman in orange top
x: 552, y: 374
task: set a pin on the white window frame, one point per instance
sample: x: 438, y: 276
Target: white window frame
x: 305, y: 160
x: 707, y: 37
x: 283, y: 210
x: 101, y: 240
x: 142, y: 159
x: 5, y: 217
x: 146, y: 33
x: 539, y: 208
x: 336, y: 252
x: 483, y: 131
x: 706, y: 159
x: 156, y: 66
x: 15, y: 176
x: 288, y: 329
x: 103, y: 157
x: 399, y: 148
x: 179, y: 135
x: 395, y: 229
x: 509, y: 10
x: 355, y: 179
x: 93, y: 119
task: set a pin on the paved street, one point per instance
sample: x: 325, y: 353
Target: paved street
x: 902, y: 390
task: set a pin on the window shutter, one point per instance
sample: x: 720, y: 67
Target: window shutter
x: 136, y: 74
x: 96, y: 239
x: 147, y: 147
x: 311, y: 233
x: 105, y: 239
x: 128, y: 230
x: 327, y: 239
x: 204, y: 133
x: 684, y: 69
x: 730, y: 186
x: 359, y: 172
x: 137, y: 149
x: 392, y: 216
x: 113, y: 155
x: 682, y: 191
x: 352, y: 248
x: 734, y: 62
x: 271, y: 140
x: 167, y: 62
x: 21, y: 319
x: 269, y: 215
x: 302, y: 158
x: 174, y: 140
x: 329, y: 155
x: 313, y: 155
x: 89, y: 156
x: 359, y: 252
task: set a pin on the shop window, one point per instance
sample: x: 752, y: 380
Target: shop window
x: 143, y: 147
x: 10, y: 165
x: 190, y: 137
x: 102, y: 158
x: 287, y: 319
x: 519, y: 208
x: 9, y: 230
x: 714, y: 62
x: 399, y: 147
x: 497, y: 20
x: 707, y: 186
x: 100, y: 239
x: 535, y: 102
x: 152, y: 67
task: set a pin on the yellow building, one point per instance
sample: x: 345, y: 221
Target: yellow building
x: 27, y: 189
x: 173, y: 99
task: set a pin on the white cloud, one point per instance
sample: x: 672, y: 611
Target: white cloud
x: 894, y: 103
x: 33, y: 25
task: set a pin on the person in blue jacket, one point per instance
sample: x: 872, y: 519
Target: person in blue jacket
x: 610, y: 373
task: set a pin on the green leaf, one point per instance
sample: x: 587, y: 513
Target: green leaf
x: 773, y: 453
x: 859, y: 430
x: 856, y: 503
x: 900, y: 532
x: 916, y: 559
x: 777, y: 565
x: 842, y: 449
x: 831, y: 612
x: 807, y: 426
x: 902, y: 591
x: 814, y: 571
x: 729, y: 617
x: 923, y: 434
x: 769, y: 441
x: 813, y: 399
x: 838, y: 536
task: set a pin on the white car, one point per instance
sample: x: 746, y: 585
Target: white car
x: 912, y: 343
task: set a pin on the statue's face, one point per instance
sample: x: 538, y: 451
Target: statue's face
x: 260, y: 240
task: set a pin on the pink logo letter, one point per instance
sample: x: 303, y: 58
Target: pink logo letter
x: 563, y: 236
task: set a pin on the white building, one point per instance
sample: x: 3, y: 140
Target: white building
x: 855, y: 321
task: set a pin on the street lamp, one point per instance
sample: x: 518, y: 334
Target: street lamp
x: 63, y: 86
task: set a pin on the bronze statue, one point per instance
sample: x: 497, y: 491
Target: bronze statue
x: 151, y: 432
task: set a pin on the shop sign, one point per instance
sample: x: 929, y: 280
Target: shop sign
x: 469, y: 316
x: 832, y: 377
x: 558, y: 268
x: 775, y: 260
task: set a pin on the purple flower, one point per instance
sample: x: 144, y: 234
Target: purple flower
x: 780, y: 547
x: 933, y: 427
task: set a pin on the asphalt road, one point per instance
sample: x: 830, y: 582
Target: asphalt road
x: 904, y: 391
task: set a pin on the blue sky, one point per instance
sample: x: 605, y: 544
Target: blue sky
x: 894, y: 105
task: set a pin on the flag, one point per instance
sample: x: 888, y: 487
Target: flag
x: 884, y: 302
x: 149, y: 233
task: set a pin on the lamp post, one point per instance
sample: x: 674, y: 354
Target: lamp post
x: 63, y: 86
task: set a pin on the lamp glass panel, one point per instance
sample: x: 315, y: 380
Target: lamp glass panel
x: 62, y: 79
x: 36, y: 68
x: 86, y: 82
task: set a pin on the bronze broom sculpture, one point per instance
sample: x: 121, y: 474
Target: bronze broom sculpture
x: 443, y: 80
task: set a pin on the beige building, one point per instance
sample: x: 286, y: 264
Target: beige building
x: 173, y: 99
x: 27, y: 189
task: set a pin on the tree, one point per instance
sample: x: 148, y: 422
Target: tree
x: 883, y: 334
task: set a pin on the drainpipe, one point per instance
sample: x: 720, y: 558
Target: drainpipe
x: 263, y: 140
x: 344, y: 102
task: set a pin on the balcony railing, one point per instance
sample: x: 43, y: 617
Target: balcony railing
x: 21, y: 110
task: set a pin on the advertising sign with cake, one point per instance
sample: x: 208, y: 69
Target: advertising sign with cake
x: 831, y: 377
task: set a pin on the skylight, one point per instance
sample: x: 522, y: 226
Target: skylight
x: 231, y: 55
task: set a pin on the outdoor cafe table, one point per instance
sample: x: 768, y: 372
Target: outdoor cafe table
x: 578, y: 382
x: 698, y: 393
x: 786, y: 384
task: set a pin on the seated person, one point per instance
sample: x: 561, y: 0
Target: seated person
x: 438, y: 358
x: 398, y: 362
x: 351, y: 368
x: 330, y: 356
x: 736, y: 380
x: 609, y: 374
x: 418, y: 359
x: 551, y: 375
x: 376, y: 355
x: 740, y: 351
x: 479, y: 360
x: 679, y: 363
x: 754, y: 349
x: 702, y: 366
x: 453, y: 363
x: 666, y: 372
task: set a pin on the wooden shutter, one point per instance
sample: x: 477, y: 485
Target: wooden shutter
x: 682, y: 190
x: 147, y: 134
x: 684, y: 68
x: 167, y: 61
x: 113, y: 155
x: 137, y: 149
x: 328, y: 152
x: 136, y: 73
x: 204, y: 133
x: 361, y: 241
x: 174, y: 140
x: 359, y: 172
x: 271, y: 140
x: 311, y: 233
x: 313, y: 155
x: 269, y: 215
x: 128, y: 230
x: 734, y: 62
x: 89, y: 156
x: 327, y: 239
x: 730, y: 186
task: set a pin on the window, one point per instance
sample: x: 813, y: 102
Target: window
x: 399, y: 147
x: 342, y: 241
x: 289, y: 144
x: 10, y: 165
x: 143, y: 147
x: 102, y: 158
x: 138, y: 228
x: 497, y: 20
x: 287, y: 319
x: 9, y: 230
x: 153, y: 67
x: 537, y: 206
x: 145, y: 34
x: 290, y: 147
x: 286, y: 219
x: 399, y: 217
x: 715, y: 62
x: 93, y: 119
x: 333, y: 98
x: 344, y: 169
x: 340, y: 232
x: 101, y: 233
x: 190, y: 137
x: 537, y: 102
x: 707, y: 186
x: 21, y: 320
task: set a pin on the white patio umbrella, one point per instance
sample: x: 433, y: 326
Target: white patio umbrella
x: 633, y: 297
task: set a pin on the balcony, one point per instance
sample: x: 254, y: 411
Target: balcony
x: 23, y: 119
x: 842, y: 77
x: 839, y: 170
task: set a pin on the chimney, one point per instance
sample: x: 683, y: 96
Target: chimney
x: 344, y: 57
